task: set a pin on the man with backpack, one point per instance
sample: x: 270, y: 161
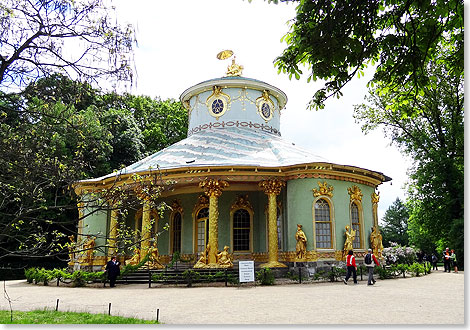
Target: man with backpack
x: 370, y: 261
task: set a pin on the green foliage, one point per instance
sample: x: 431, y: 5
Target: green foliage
x: 400, y: 269
x: 338, y: 40
x: 335, y: 273
x: 58, y: 132
x: 384, y: 273
x: 78, y: 278
x: 416, y: 269
x: 265, y: 276
x: 53, y: 317
x: 429, y: 128
x: 395, y: 224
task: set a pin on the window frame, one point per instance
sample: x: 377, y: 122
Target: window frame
x: 332, y: 223
x: 250, y: 213
x: 360, y: 224
x: 172, y: 231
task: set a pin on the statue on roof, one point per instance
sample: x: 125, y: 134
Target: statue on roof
x: 234, y: 69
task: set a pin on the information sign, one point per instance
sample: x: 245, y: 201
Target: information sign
x: 246, y: 270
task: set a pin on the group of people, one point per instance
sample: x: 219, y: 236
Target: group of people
x: 369, y: 260
x: 449, y: 259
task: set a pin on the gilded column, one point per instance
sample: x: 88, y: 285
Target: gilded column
x: 81, y: 214
x: 112, y: 232
x: 375, y: 201
x: 213, y: 189
x: 145, y: 243
x: 272, y: 188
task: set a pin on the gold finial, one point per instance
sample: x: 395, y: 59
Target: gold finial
x: 233, y: 69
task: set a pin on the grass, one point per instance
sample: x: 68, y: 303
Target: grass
x: 53, y: 317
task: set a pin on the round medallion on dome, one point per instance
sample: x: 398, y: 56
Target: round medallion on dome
x: 266, y: 111
x: 217, y: 103
x: 217, y: 106
x: 265, y: 106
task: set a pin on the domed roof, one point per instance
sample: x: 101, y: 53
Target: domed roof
x: 233, y: 122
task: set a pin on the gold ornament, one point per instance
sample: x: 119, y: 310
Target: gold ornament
x: 242, y: 202
x: 135, y: 258
x: 324, y: 190
x: 376, y: 241
x: 375, y: 197
x: 224, y: 258
x: 213, y: 187
x: 355, y: 193
x: 348, y: 244
x: 301, y: 246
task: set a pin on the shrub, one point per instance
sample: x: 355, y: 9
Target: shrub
x: 30, y: 274
x: 335, y: 273
x: 416, y: 269
x: 78, y: 279
x: 265, y: 276
x: 399, y: 254
x: 385, y: 273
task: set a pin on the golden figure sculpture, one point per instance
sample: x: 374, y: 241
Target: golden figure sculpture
x: 204, y: 258
x: 234, y: 69
x: 224, y: 258
x: 348, y: 244
x: 301, y: 246
x: 71, y: 247
x: 376, y: 241
x: 89, y: 247
x: 154, y: 260
x: 135, y: 258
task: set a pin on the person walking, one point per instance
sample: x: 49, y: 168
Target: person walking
x: 370, y: 261
x: 351, y: 266
x: 434, y: 262
x: 113, y: 271
x: 446, y: 258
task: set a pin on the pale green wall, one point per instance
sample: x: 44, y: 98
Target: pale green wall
x: 95, y: 224
x: 300, y: 203
x: 297, y: 202
x: 257, y: 199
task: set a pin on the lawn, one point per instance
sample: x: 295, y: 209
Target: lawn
x: 53, y: 317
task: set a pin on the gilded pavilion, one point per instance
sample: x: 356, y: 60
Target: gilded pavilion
x: 236, y: 183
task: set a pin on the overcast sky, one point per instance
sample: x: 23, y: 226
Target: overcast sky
x: 177, y: 46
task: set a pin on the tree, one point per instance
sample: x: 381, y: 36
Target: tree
x: 337, y: 40
x: 395, y: 224
x: 77, y: 38
x: 430, y: 129
x: 55, y: 133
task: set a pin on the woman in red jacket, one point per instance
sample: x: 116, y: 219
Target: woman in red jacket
x: 351, y: 264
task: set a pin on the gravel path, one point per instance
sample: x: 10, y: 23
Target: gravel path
x: 437, y: 298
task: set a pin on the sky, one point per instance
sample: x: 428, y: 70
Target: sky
x: 178, y: 42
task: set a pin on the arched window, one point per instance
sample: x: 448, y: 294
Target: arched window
x: 323, y: 225
x: 176, y: 232
x: 202, y: 225
x: 241, y: 230
x: 356, y: 225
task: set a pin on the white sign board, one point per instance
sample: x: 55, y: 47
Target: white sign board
x: 246, y: 271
